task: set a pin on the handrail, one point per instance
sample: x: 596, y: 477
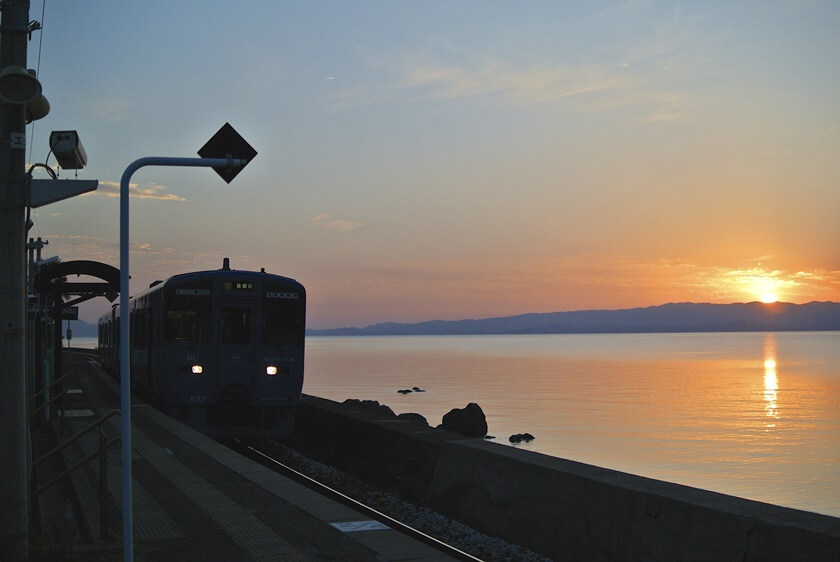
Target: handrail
x: 50, y: 402
x: 50, y: 386
x: 70, y: 469
x: 104, y: 443
x: 91, y: 426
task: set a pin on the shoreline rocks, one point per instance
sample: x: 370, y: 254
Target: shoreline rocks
x: 372, y: 405
x: 413, y: 417
x: 469, y: 421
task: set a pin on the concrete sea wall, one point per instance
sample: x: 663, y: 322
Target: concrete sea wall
x: 562, y: 509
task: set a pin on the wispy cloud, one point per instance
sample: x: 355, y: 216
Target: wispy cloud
x: 667, y: 108
x: 538, y: 84
x: 100, y: 249
x: 113, y: 110
x: 401, y: 289
x: 590, y: 87
x: 95, y: 248
x: 151, y: 191
x: 325, y: 221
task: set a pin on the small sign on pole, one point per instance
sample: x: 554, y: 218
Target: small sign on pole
x: 70, y: 313
x: 227, y: 143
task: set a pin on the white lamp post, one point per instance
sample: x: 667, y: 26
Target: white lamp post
x: 228, y: 163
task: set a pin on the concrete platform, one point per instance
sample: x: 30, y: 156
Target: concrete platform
x: 195, y: 499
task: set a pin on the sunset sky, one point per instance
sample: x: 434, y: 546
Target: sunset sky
x: 446, y: 159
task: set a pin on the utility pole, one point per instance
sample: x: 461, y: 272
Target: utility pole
x: 14, y: 433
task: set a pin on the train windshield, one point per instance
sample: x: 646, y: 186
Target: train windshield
x: 236, y: 325
x: 284, y: 314
x: 189, y: 313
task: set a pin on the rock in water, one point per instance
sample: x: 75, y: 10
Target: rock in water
x: 413, y: 417
x: 469, y: 421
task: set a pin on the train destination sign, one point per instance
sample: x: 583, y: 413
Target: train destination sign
x: 193, y: 292
x: 237, y: 285
x: 281, y: 295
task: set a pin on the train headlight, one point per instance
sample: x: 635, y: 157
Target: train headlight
x: 197, y: 369
x: 270, y: 370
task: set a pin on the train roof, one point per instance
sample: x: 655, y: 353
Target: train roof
x: 239, y: 273
x: 224, y: 272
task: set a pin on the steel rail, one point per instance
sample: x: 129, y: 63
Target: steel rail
x: 326, y: 490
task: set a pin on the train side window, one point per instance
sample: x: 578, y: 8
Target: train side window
x: 139, y: 326
x: 236, y: 325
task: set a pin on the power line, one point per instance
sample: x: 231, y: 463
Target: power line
x: 37, y: 71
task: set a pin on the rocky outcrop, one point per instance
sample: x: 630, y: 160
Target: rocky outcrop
x: 373, y: 406
x: 469, y: 421
x: 413, y: 417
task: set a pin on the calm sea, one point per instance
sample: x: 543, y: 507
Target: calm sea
x: 81, y: 342
x: 755, y: 415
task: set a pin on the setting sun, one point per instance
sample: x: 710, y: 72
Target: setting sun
x: 762, y: 285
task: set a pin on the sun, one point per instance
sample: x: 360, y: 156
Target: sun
x: 762, y: 285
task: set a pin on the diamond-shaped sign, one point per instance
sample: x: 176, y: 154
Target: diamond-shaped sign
x: 227, y: 142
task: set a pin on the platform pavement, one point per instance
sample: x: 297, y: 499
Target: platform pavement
x: 195, y: 499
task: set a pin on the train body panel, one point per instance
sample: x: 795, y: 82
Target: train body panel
x: 221, y: 350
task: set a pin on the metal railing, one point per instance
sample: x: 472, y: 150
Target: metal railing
x: 51, y: 401
x: 104, y: 444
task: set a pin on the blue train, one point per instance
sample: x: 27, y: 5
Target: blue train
x: 220, y: 350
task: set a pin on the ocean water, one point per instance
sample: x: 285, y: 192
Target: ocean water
x: 83, y: 342
x: 756, y: 415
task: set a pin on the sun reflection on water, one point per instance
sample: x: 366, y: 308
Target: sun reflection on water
x: 771, y: 381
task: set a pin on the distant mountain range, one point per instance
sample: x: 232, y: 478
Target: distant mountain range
x: 672, y: 317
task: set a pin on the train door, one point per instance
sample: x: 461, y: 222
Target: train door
x: 153, y: 349
x: 236, y: 351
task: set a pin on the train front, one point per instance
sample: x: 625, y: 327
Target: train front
x: 233, y: 352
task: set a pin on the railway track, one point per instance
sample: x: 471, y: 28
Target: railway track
x: 265, y: 458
